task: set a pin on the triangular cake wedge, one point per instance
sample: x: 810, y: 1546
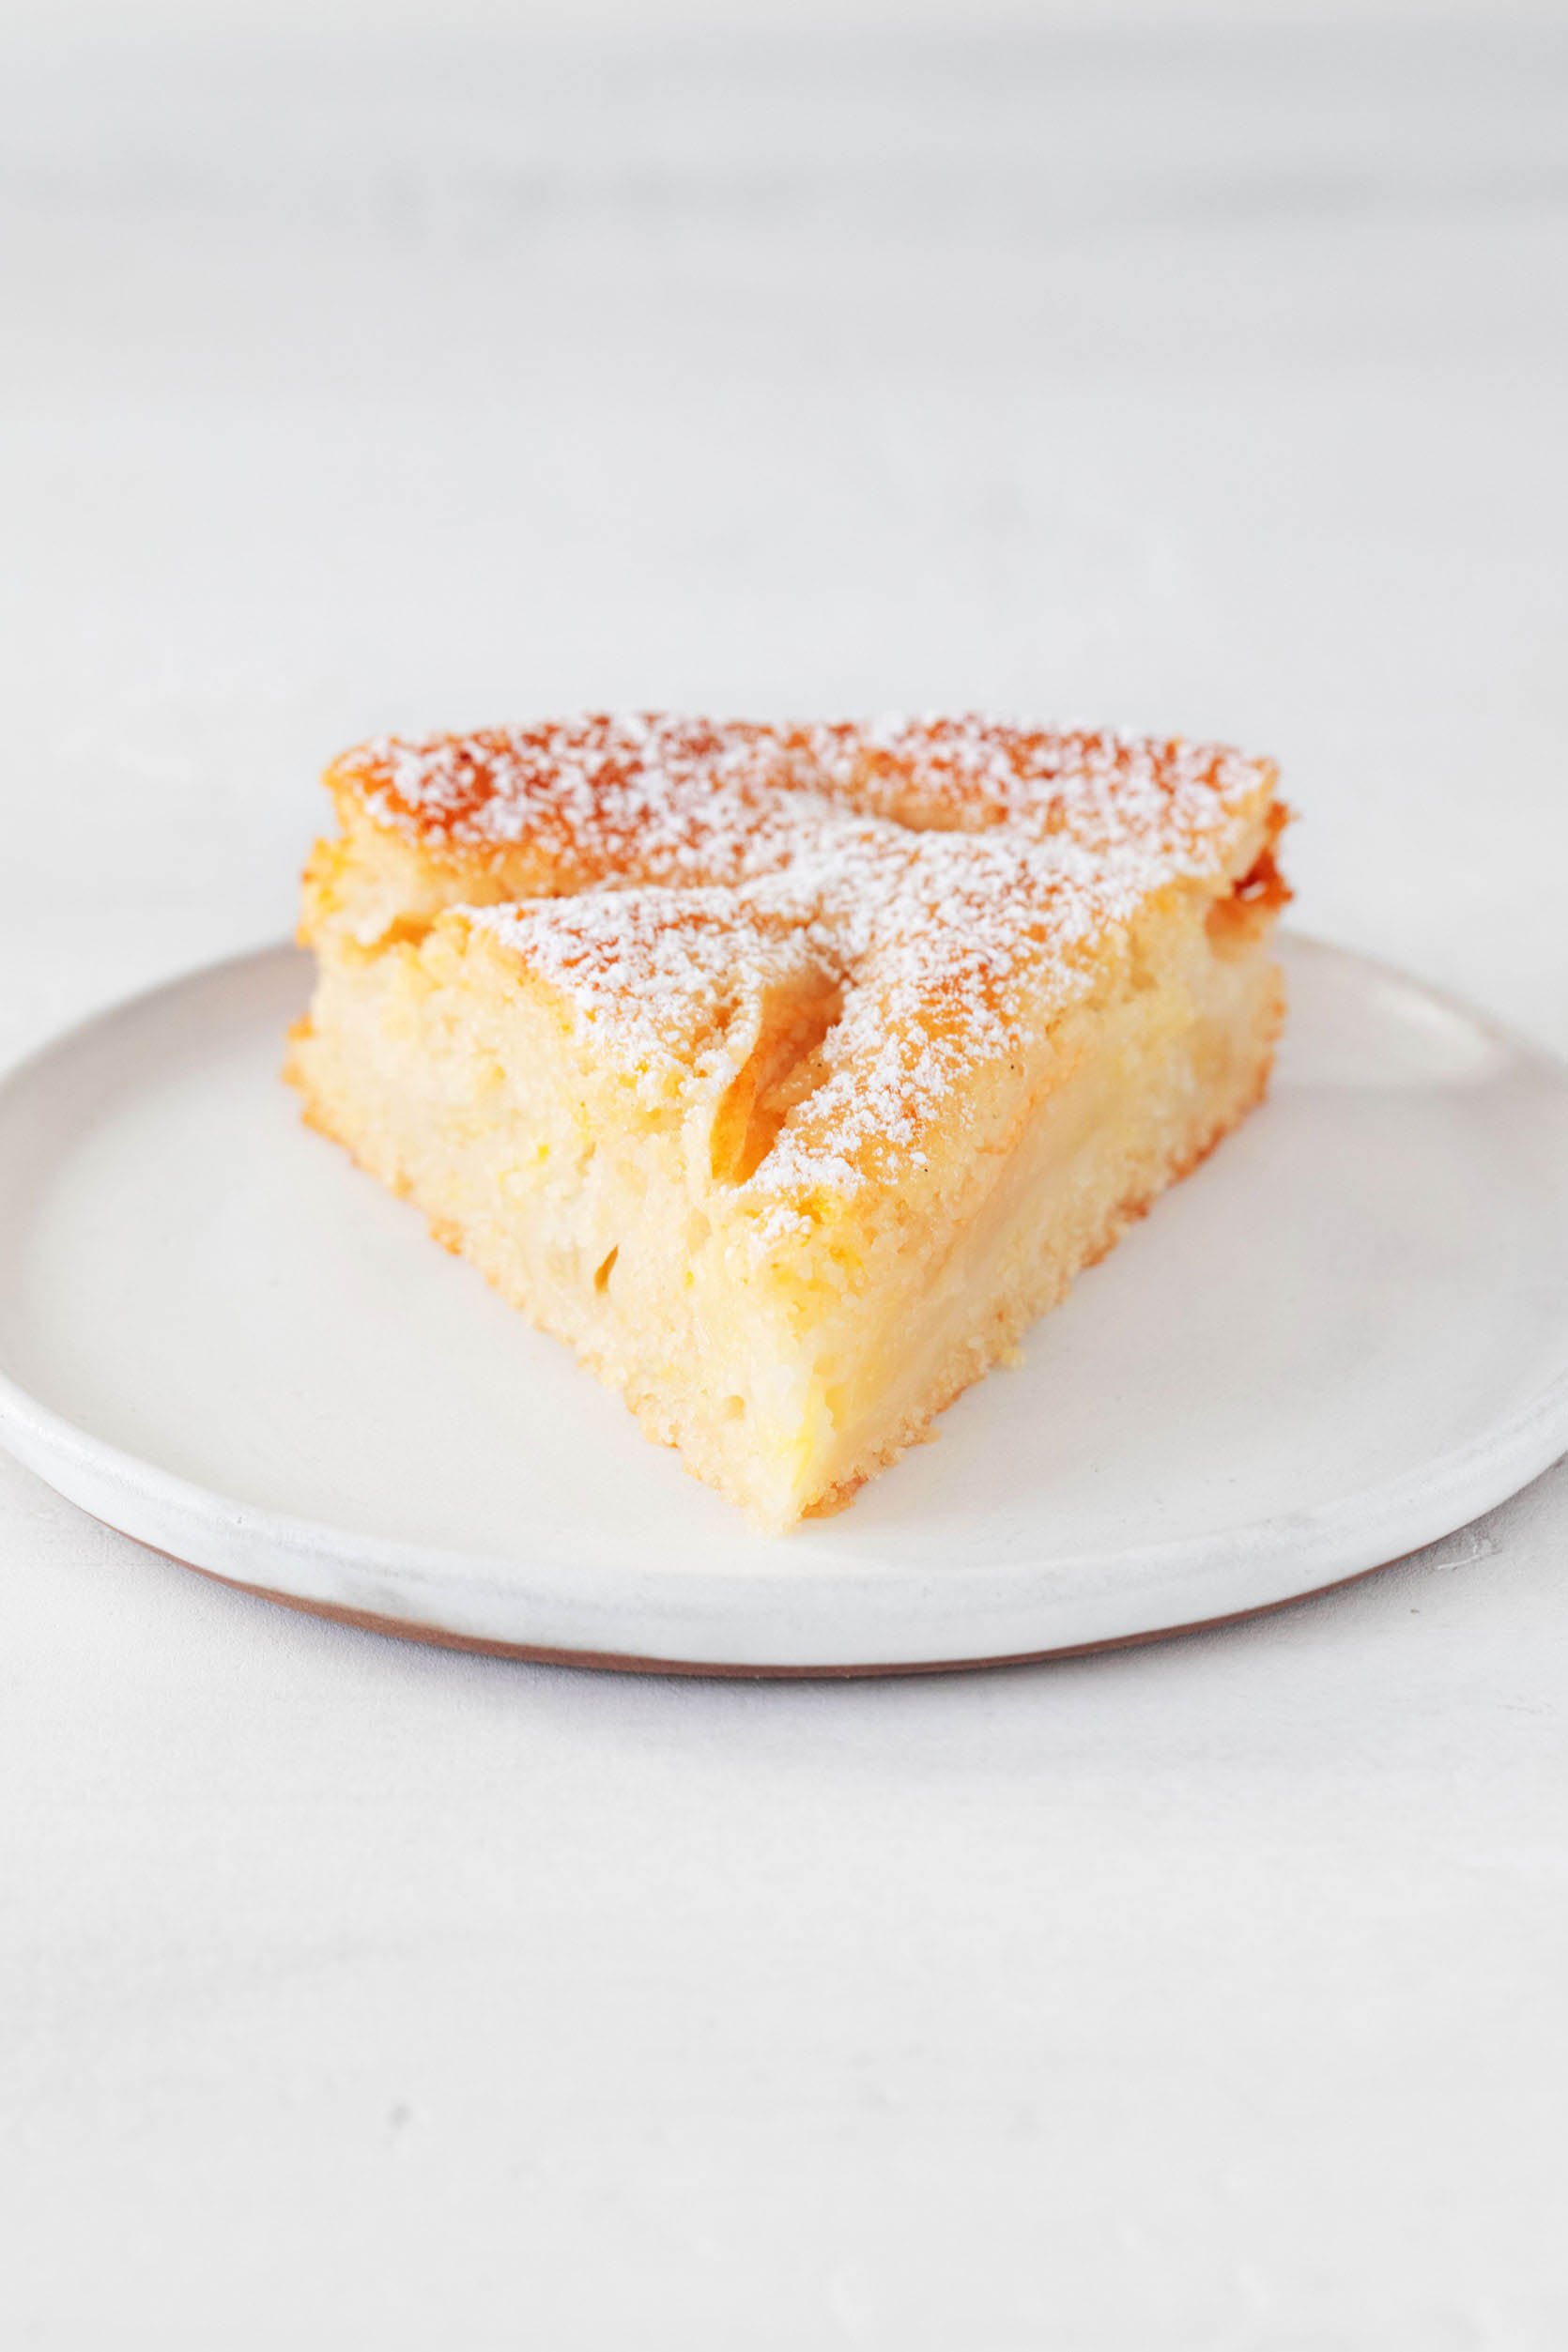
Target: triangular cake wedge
x: 788, y: 1073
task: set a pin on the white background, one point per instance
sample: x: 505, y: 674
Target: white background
x: 1201, y: 369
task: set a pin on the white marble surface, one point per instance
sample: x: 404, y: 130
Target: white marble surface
x: 1206, y: 370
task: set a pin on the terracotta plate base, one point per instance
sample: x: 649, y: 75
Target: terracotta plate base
x: 610, y: 1661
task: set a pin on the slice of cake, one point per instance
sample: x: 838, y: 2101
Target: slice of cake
x: 789, y: 1072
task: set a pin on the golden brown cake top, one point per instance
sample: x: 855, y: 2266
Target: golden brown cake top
x: 891, y: 899
x: 645, y: 797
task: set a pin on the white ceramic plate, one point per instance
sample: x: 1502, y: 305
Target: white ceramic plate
x: 1342, y: 1338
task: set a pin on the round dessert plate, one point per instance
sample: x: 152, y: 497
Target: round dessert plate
x: 1342, y: 1338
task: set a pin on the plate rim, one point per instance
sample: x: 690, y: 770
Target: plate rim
x: 1329, y: 1544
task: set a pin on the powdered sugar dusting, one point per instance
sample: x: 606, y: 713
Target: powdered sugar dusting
x: 955, y: 878
x: 664, y: 798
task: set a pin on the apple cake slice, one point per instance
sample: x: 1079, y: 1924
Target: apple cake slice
x: 789, y: 1072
